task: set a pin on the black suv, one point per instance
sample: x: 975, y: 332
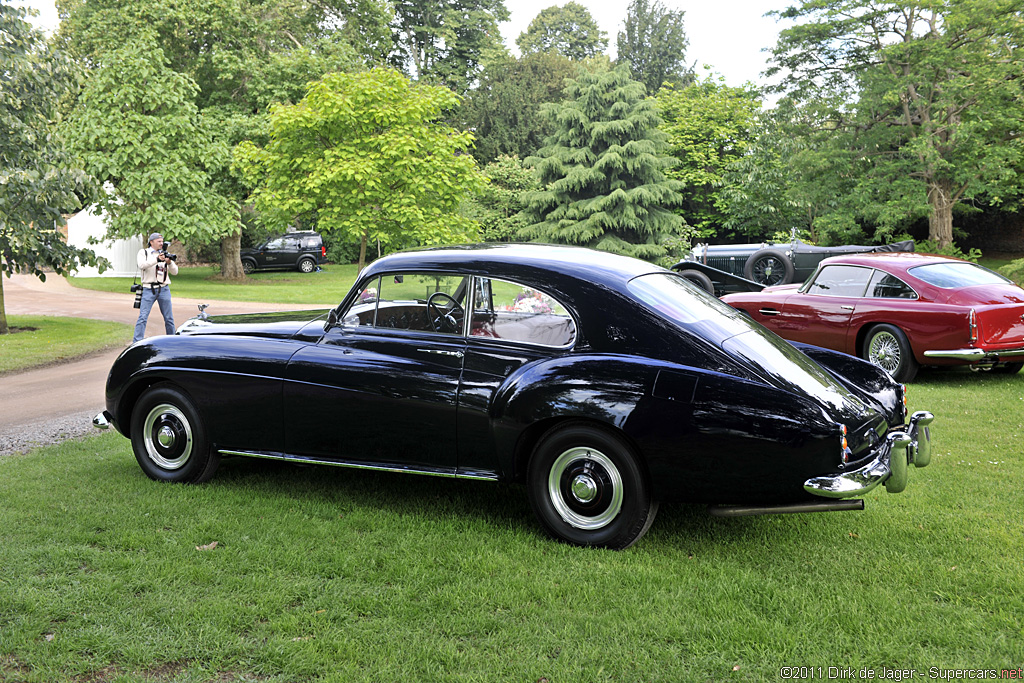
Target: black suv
x: 302, y: 250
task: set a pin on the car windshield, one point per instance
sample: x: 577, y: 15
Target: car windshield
x: 769, y: 355
x: 956, y: 274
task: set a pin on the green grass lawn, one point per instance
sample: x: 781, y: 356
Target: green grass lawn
x: 56, y: 339
x: 323, y: 574
x: 327, y: 287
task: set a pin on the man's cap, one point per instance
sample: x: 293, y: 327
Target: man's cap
x: 155, y: 236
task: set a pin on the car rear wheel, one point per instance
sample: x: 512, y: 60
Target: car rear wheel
x: 169, y: 438
x: 698, y: 278
x: 587, y: 488
x: 887, y: 347
x: 307, y: 265
x: 769, y: 267
x: 248, y: 266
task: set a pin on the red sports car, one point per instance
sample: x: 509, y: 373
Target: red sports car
x: 900, y: 310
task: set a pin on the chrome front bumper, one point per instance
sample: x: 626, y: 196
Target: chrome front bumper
x: 899, y: 450
x: 102, y: 420
x: 975, y: 355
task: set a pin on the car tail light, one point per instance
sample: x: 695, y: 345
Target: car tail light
x: 323, y: 250
x: 844, y: 443
x: 903, y: 393
x: 972, y: 321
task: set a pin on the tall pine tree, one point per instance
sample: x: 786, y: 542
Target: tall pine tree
x: 602, y: 172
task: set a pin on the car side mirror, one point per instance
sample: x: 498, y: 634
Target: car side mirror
x: 332, y: 320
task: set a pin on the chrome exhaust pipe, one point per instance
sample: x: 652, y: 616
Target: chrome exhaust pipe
x: 814, y: 506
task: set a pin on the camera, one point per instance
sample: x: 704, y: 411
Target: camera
x: 135, y: 288
x: 138, y: 295
x: 169, y: 257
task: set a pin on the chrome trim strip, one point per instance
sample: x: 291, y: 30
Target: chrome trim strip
x: 102, y: 420
x: 306, y: 460
x: 974, y: 354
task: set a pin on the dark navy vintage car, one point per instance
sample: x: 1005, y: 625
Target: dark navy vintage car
x: 602, y: 383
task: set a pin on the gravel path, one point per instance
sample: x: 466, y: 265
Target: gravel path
x: 24, y: 437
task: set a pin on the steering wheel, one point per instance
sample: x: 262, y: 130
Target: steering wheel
x: 444, y: 319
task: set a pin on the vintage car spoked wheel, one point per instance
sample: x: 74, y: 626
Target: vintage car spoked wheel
x: 769, y: 267
x: 442, y: 317
x: 887, y: 347
x: 587, y: 488
x: 169, y: 439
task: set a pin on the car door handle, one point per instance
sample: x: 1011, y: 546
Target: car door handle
x: 846, y: 308
x: 439, y: 352
x: 768, y: 311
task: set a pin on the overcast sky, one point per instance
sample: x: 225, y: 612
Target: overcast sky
x: 728, y: 35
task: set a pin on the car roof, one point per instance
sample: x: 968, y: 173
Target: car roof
x: 890, y: 260
x: 510, y: 260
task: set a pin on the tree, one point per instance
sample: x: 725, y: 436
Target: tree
x: 447, y: 41
x: 603, y: 171
x: 503, y: 111
x: 653, y: 44
x: 241, y: 54
x: 708, y: 127
x: 137, y: 129
x: 39, y: 183
x: 498, y: 207
x: 925, y: 96
x: 365, y: 156
x: 569, y: 30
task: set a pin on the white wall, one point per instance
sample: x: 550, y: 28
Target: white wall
x: 121, y: 253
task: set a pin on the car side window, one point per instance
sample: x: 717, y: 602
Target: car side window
x: 513, y: 312
x: 421, y: 302
x: 276, y: 243
x: 886, y: 286
x: 840, y: 280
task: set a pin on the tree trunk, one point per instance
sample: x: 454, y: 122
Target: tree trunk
x: 940, y: 218
x: 362, y: 248
x: 230, y: 260
x: 3, y: 309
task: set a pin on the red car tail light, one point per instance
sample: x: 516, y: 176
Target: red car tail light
x: 323, y: 250
x: 972, y: 321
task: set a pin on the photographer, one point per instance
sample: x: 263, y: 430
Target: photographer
x: 157, y: 266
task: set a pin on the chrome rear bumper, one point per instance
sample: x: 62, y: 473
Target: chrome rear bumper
x: 974, y: 355
x: 899, y: 450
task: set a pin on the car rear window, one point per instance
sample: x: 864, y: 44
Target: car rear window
x: 953, y: 275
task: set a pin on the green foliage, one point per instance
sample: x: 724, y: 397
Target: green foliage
x: 503, y: 111
x: 569, y: 30
x: 366, y: 156
x: 933, y: 247
x: 1014, y: 270
x: 137, y: 128
x: 709, y: 126
x: 653, y: 44
x: 923, y: 98
x: 39, y: 182
x: 499, y: 205
x: 447, y: 41
x: 603, y: 171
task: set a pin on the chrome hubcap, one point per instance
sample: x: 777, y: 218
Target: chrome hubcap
x: 585, y: 488
x: 167, y: 435
x: 884, y: 351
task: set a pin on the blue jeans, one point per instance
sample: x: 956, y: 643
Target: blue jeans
x: 161, y: 296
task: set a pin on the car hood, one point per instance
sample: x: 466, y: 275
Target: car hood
x: 277, y: 325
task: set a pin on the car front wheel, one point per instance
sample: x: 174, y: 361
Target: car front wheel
x: 248, y: 266
x: 887, y: 347
x: 587, y: 488
x: 169, y: 438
